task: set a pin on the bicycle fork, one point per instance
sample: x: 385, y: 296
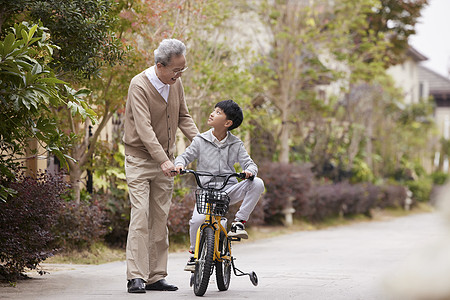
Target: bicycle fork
x: 218, y: 228
x: 216, y: 224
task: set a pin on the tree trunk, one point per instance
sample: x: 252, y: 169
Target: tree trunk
x: 75, y: 180
x: 83, y: 151
x: 284, y: 137
x: 369, y: 145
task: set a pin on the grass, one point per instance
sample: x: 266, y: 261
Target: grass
x: 100, y: 253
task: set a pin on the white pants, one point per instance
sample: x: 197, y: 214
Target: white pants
x: 246, y: 191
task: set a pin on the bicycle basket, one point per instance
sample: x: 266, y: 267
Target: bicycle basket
x: 218, y: 202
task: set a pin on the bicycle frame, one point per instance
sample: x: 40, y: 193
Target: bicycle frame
x: 216, y: 225
x: 214, y: 204
x: 211, y: 220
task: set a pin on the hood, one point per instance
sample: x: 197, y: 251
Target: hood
x: 208, y: 136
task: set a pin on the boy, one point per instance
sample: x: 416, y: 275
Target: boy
x: 216, y: 151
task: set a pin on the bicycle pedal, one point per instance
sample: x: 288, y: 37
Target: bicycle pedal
x: 234, y: 239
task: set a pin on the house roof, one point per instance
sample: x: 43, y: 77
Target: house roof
x: 415, y: 55
x: 439, y: 85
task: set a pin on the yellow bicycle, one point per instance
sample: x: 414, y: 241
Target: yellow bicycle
x: 213, y: 245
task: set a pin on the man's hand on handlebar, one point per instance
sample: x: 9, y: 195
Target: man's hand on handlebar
x: 167, y: 167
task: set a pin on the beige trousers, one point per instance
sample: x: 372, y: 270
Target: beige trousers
x: 148, y: 241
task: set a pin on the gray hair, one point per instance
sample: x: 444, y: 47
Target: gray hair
x: 168, y: 48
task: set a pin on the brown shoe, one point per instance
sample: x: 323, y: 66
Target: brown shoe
x: 160, y: 285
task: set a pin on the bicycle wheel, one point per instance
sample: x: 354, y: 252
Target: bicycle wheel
x: 223, y: 268
x: 204, y: 267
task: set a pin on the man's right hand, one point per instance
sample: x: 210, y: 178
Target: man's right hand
x: 167, y: 167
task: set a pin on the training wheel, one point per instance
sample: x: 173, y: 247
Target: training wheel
x: 191, y: 282
x: 254, y: 278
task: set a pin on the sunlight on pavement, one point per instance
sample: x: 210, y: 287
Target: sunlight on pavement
x: 425, y: 273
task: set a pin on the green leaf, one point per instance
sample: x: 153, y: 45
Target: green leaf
x: 82, y: 92
x: 6, y: 192
x: 50, y: 80
x: 73, y: 107
x: 9, y: 40
x: 29, y: 79
x: 92, y: 115
x: 24, y: 36
x: 25, y: 103
x: 62, y: 157
x: 37, y: 69
x: 70, y: 158
x: 50, y: 50
x: 18, y: 47
x: 32, y: 31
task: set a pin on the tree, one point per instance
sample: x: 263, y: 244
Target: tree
x: 218, y: 68
x: 214, y: 69
x: 28, y: 90
x: 90, y: 43
x: 378, y: 39
x: 323, y: 44
x: 78, y: 56
x: 293, y: 68
x: 9, y: 9
x: 140, y: 26
x: 397, y: 20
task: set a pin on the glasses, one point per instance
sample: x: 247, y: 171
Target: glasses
x: 179, y: 72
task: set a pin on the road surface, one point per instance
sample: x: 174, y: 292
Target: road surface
x: 346, y: 262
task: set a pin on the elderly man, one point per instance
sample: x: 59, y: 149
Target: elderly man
x: 155, y: 109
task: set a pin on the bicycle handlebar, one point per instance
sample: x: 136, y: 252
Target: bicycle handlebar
x: 197, y: 176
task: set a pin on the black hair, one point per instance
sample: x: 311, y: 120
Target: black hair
x: 232, y: 111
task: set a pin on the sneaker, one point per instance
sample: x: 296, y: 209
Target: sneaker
x: 238, y: 230
x: 190, y: 266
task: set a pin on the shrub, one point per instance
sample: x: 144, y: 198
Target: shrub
x: 392, y: 196
x: 323, y: 202
x: 340, y: 199
x: 439, y: 177
x: 421, y: 188
x: 365, y: 197
x: 80, y: 225
x: 117, y: 215
x: 354, y: 198
x: 26, y: 223
x: 284, y: 183
x: 374, y: 195
x: 180, y: 213
x: 361, y: 171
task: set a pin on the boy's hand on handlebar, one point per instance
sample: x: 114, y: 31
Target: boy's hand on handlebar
x: 179, y: 169
x: 247, y: 174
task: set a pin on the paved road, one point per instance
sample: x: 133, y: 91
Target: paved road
x: 345, y: 262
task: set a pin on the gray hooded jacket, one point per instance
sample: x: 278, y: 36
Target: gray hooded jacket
x: 217, y: 160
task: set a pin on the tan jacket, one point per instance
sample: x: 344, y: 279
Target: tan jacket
x: 151, y: 123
